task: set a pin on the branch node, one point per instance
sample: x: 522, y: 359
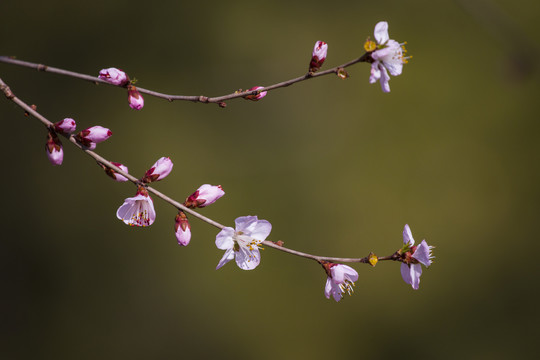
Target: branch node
x: 203, y: 99
x: 7, y: 91
x: 41, y: 67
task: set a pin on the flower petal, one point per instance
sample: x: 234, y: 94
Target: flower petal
x: 406, y: 273
x: 224, y: 239
x: 243, y: 223
x: 248, y: 259
x: 423, y: 253
x: 336, y: 292
x: 385, y: 78
x: 407, y: 235
x: 261, y: 230
x: 228, y: 256
x: 381, y: 32
x: 375, y: 73
x: 415, y: 271
x: 328, y: 287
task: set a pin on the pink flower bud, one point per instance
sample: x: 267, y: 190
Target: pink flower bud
x: 66, y: 126
x: 135, y: 98
x: 204, y: 196
x: 54, y: 150
x: 182, y: 229
x: 318, y: 56
x: 114, y: 76
x: 92, y: 136
x: 255, y: 97
x: 116, y: 176
x: 159, y: 170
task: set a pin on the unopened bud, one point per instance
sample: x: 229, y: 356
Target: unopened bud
x: 135, y: 98
x: 158, y: 171
x: 92, y: 136
x: 370, y: 45
x: 257, y: 96
x: 113, y: 174
x: 114, y: 76
x: 66, y: 126
x: 54, y: 150
x: 204, y: 196
x: 341, y: 73
x: 318, y: 56
x: 373, y: 259
x: 182, y: 229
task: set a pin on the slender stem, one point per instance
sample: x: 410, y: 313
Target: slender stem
x: 9, y: 94
x: 201, y: 99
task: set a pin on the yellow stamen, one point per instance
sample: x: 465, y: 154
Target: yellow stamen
x: 370, y: 45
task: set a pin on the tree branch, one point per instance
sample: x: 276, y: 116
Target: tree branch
x: 201, y: 99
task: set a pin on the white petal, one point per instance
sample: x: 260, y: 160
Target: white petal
x: 341, y: 272
x: 261, y: 230
x: 328, y: 287
x: 228, y: 256
x: 375, y: 73
x: 416, y: 271
x: 381, y: 32
x: 385, y: 78
x: 406, y: 273
x: 423, y: 253
x: 350, y: 273
x: 407, y: 235
x: 336, y: 292
x: 382, y: 53
x: 248, y: 260
x: 243, y: 223
x: 224, y: 239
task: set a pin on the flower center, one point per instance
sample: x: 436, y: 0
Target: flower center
x: 347, y: 286
x: 140, y: 217
x: 245, y: 241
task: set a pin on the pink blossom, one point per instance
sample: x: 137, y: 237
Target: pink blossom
x: 159, y: 170
x: 257, y: 96
x: 92, y: 136
x: 135, y: 98
x: 114, y: 76
x: 204, y: 196
x: 412, y: 256
x: 242, y: 243
x: 116, y: 176
x: 182, y: 229
x: 53, y: 147
x: 340, y: 279
x: 388, y: 57
x: 137, y: 210
x: 66, y: 126
x: 318, y: 56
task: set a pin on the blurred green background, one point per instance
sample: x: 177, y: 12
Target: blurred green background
x: 337, y: 166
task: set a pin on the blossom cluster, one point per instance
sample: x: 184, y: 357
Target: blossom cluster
x: 118, y: 77
x: 244, y: 242
x: 88, y: 138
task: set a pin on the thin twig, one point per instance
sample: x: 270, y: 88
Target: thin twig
x: 9, y: 95
x: 201, y: 99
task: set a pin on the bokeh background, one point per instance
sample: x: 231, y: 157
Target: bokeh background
x: 337, y: 166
